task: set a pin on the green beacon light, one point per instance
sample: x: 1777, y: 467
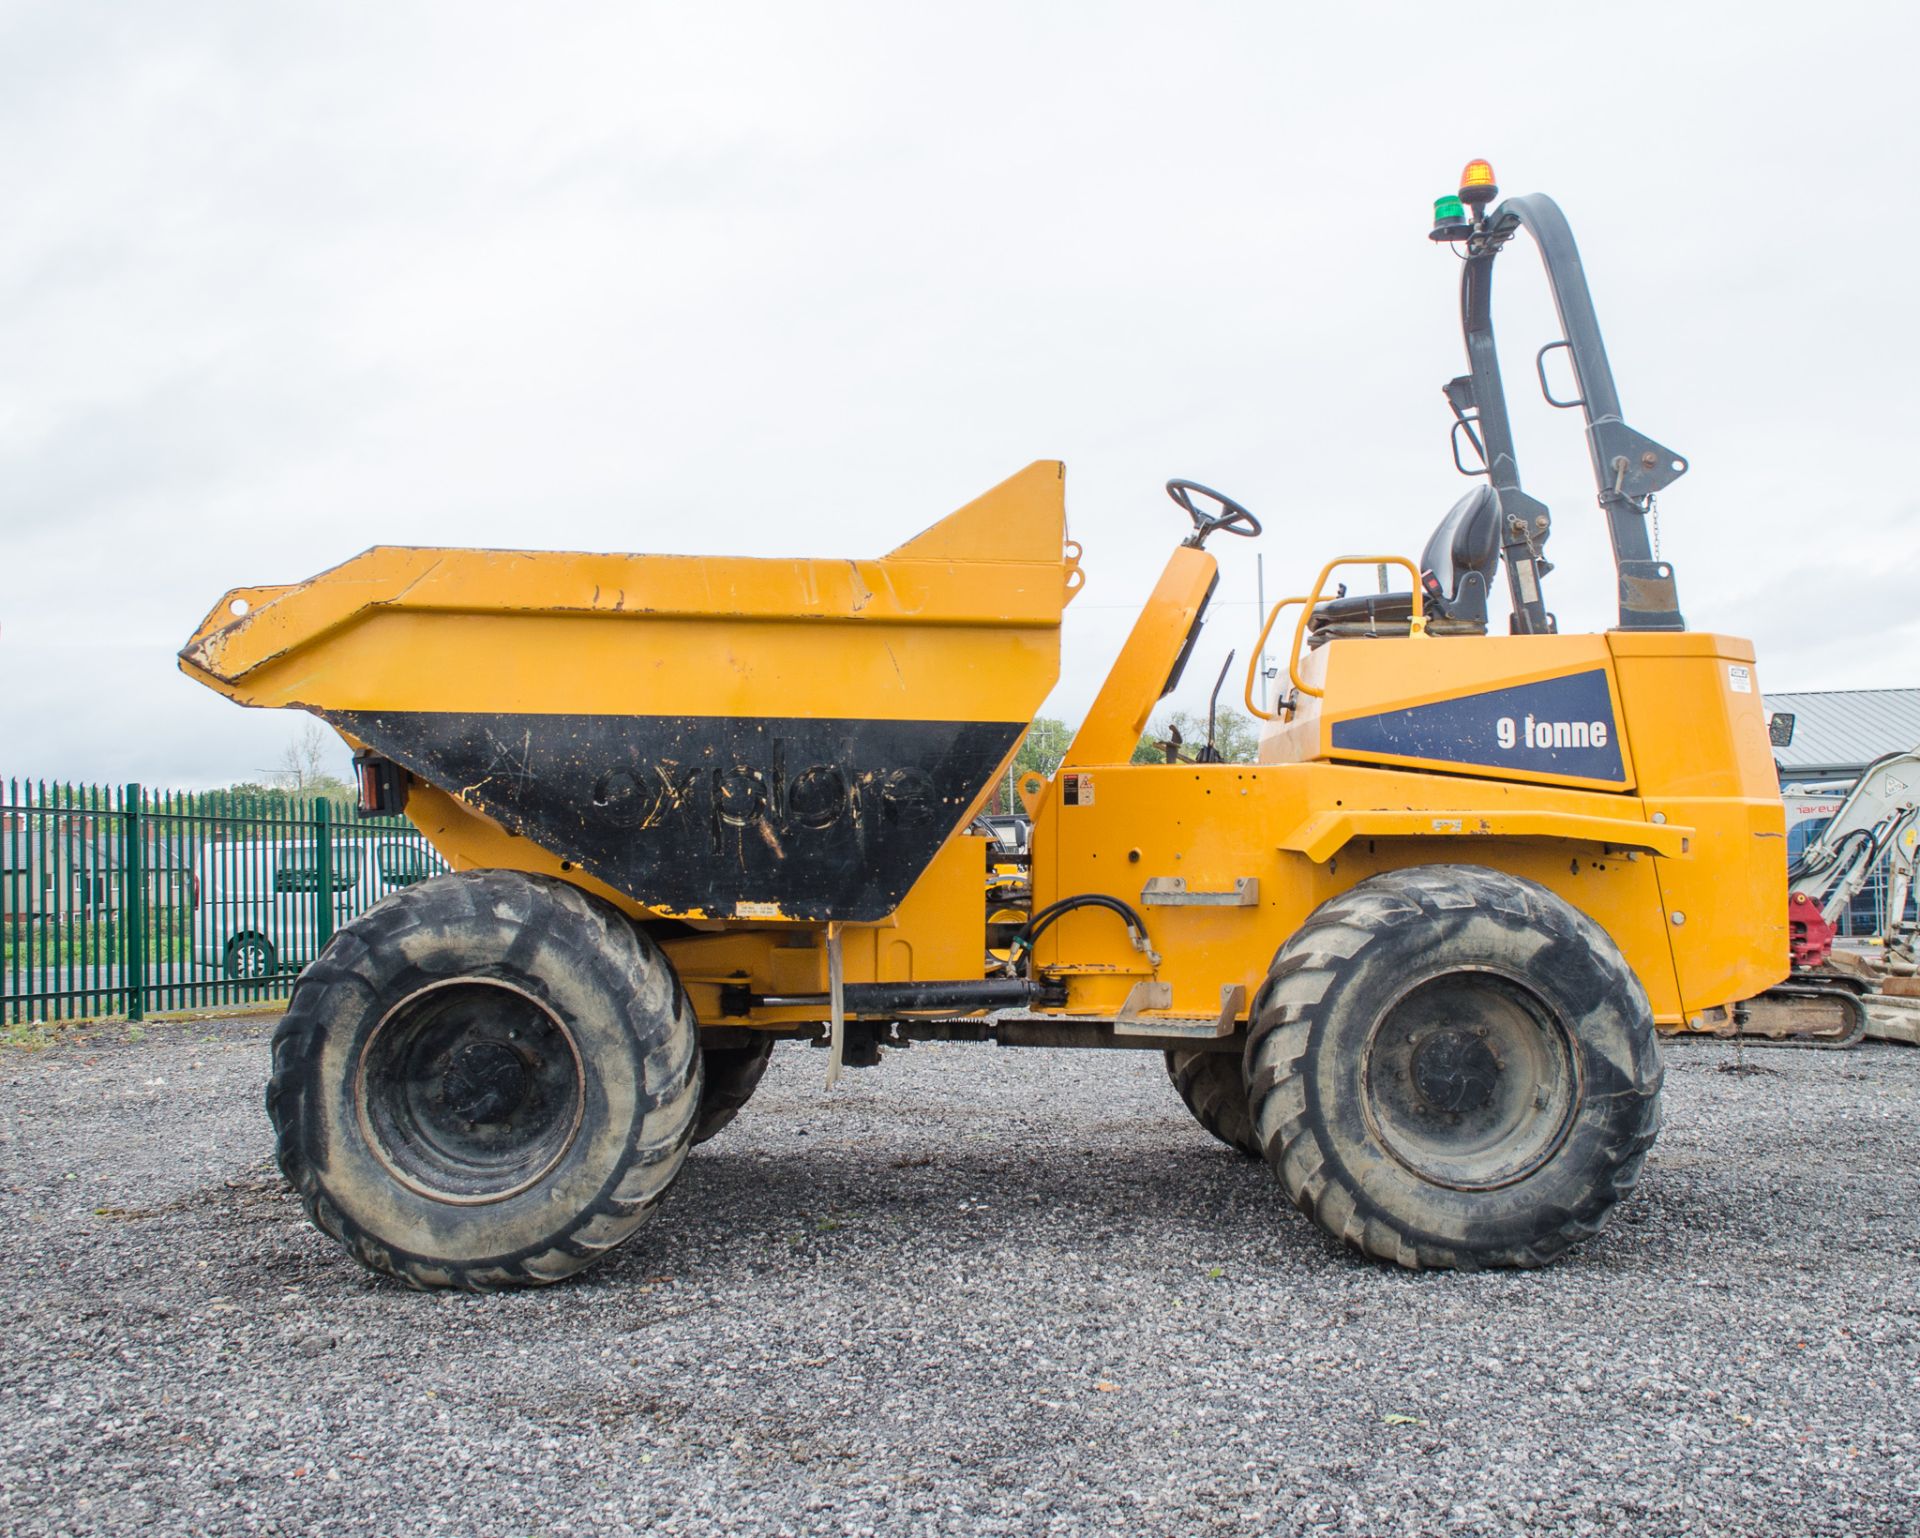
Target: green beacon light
x: 1449, y: 219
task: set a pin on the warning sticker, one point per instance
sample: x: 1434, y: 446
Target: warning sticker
x: 1739, y: 679
x: 1076, y: 790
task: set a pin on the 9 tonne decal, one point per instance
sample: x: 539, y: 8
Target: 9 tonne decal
x: 1557, y: 726
x: 1552, y: 734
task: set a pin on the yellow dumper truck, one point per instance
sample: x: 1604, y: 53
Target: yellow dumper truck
x: 1414, y: 957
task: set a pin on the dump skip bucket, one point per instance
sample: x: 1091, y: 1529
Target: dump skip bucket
x: 714, y: 737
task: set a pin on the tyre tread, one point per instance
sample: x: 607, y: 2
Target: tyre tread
x: 730, y: 1075
x: 1211, y: 1085
x: 1279, y: 1053
x: 450, y: 900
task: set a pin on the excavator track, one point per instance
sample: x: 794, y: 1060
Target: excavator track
x: 1896, y: 1017
x: 1802, y: 1015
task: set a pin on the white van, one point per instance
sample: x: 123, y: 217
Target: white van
x: 257, y: 904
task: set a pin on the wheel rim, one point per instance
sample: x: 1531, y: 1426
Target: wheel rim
x: 1471, y: 1080
x: 250, y: 960
x: 470, y: 1090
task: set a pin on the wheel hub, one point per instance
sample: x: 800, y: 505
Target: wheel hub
x: 1454, y: 1070
x: 485, y: 1082
x: 1470, y: 1080
x: 470, y: 1090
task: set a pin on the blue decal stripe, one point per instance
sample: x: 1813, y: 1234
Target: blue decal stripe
x: 1562, y: 726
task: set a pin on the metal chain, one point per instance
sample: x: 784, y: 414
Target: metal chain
x: 1653, y: 512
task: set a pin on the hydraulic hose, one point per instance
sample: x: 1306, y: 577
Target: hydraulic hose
x: 1041, y: 921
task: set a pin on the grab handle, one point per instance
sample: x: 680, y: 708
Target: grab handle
x: 1418, y: 625
x: 1260, y: 653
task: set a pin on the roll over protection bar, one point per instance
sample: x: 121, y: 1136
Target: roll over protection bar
x: 1628, y: 467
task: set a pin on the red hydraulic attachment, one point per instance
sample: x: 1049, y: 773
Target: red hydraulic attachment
x: 1809, y: 935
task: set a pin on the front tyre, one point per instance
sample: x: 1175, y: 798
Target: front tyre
x: 1454, y: 1067
x: 486, y: 1080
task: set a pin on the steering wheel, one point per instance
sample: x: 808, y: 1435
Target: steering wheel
x: 1232, y: 517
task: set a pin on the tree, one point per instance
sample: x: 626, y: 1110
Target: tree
x: 1045, y: 744
x: 303, y: 767
x: 1040, y: 751
x: 1235, y: 736
x: 249, y: 798
x: 300, y: 776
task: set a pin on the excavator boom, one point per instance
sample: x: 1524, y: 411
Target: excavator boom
x: 1835, y: 997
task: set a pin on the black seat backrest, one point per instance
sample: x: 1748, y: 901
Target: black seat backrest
x: 1456, y: 572
x: 1464, y: 546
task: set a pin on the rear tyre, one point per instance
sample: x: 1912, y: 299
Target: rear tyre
x: 1213, y: 1086
x: 729, y: 1076
x: 486, y: 1080
x: 1454, y: 1067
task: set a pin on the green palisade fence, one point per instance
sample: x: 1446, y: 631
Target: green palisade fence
x: 127, y: 901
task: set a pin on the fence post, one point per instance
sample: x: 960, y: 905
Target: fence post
x: 133, y: 903
x: 323, y: 869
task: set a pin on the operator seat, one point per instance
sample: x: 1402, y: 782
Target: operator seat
x: 1456, y: 573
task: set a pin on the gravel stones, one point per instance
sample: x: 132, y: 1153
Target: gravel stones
x: 970, y: 1291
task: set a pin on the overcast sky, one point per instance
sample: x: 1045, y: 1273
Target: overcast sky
x: 281, y: 282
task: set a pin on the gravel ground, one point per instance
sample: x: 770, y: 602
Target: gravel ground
x: 972, y: 1291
